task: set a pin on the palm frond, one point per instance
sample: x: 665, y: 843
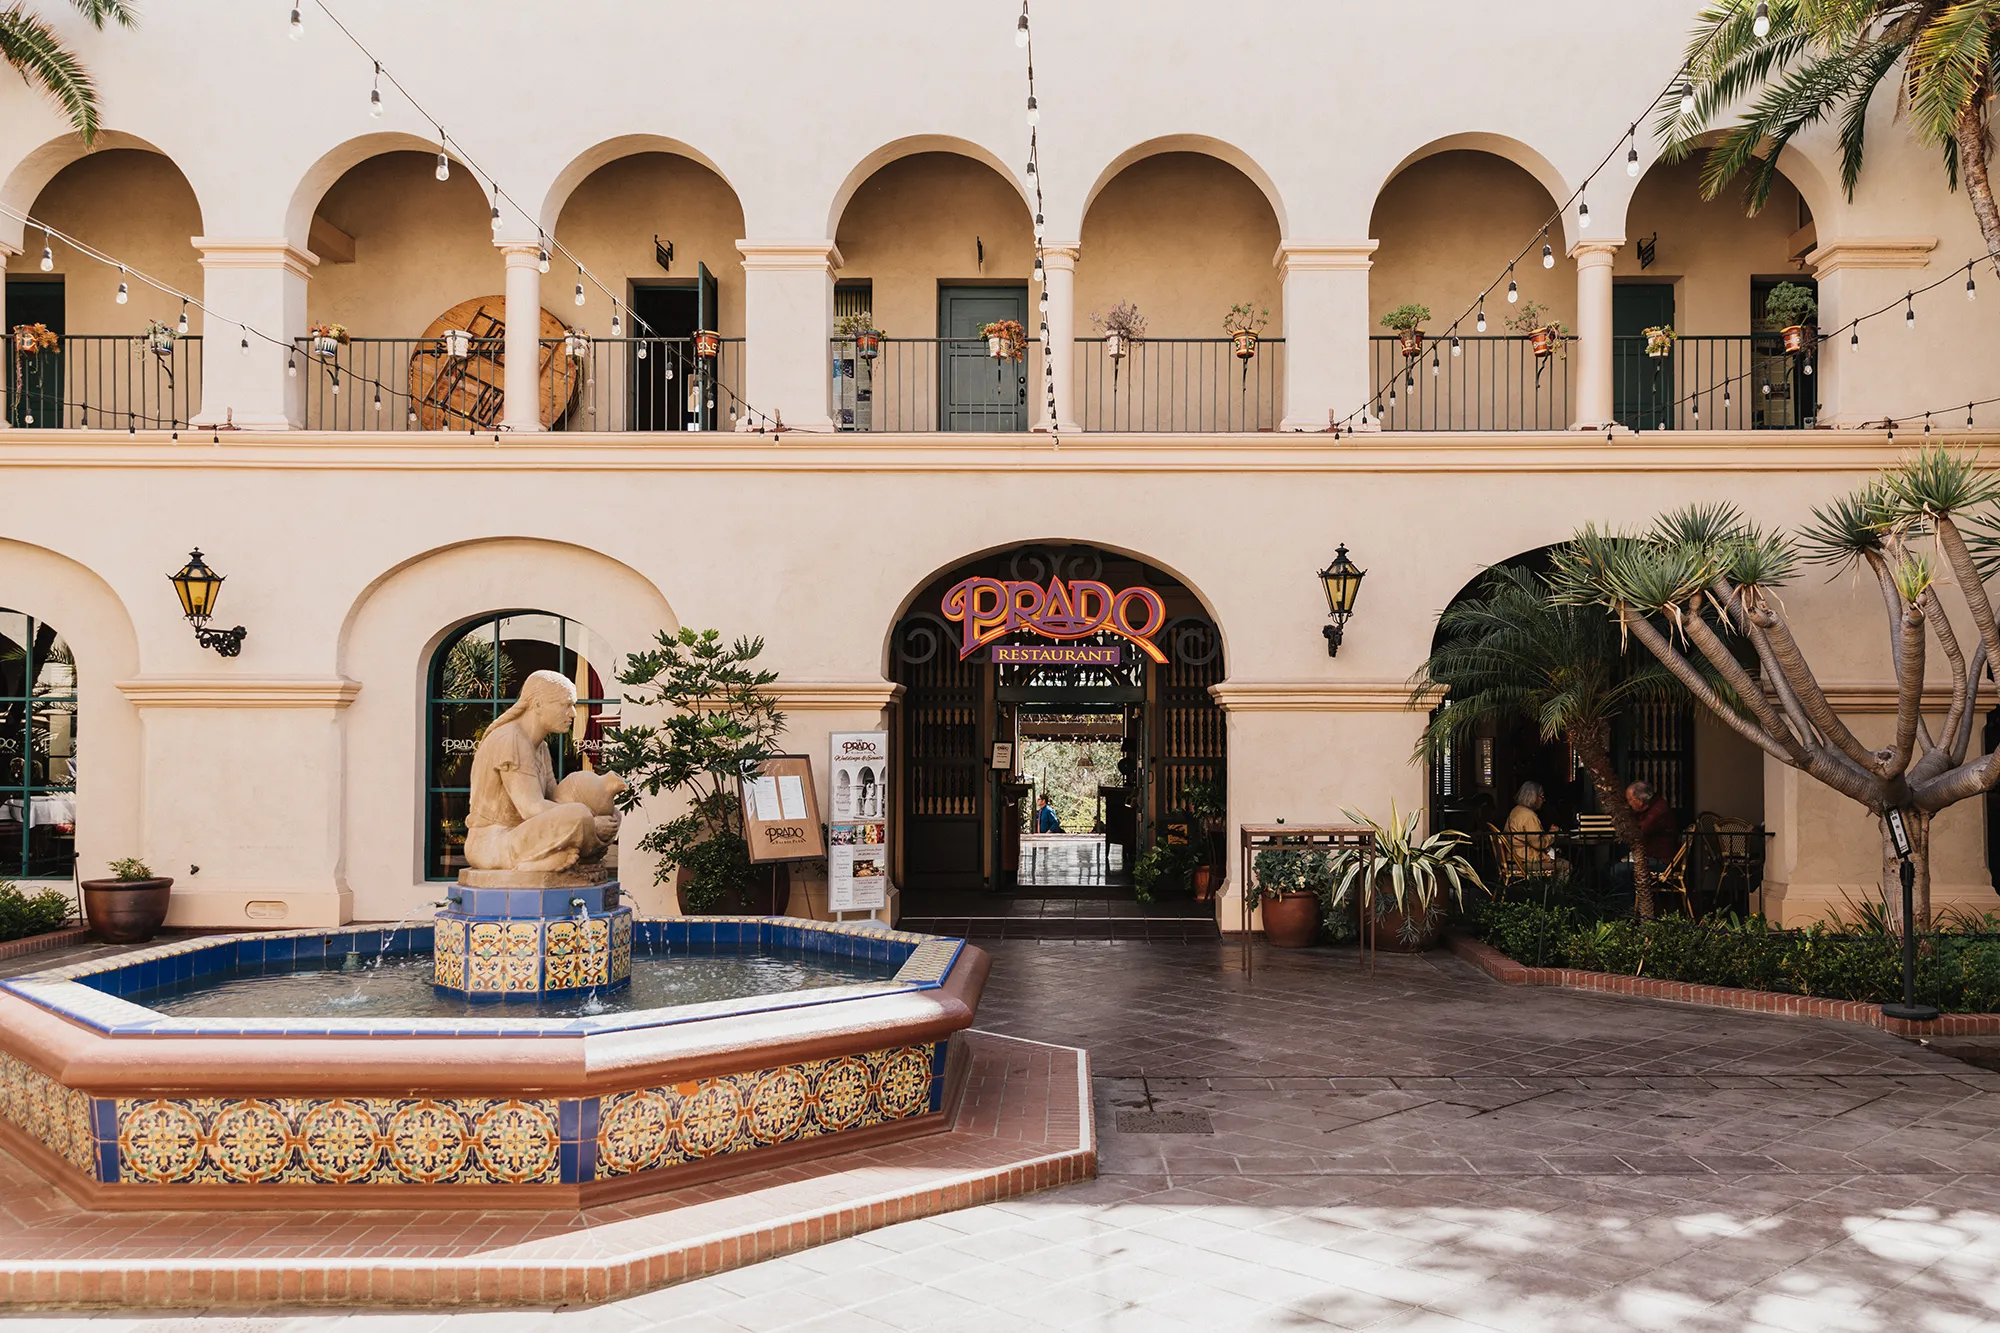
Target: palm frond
x: 1939, y: 481
x: 1950, y: 66
x: 32, y: 47
x: 118, y: 11
x: 1848, y: 528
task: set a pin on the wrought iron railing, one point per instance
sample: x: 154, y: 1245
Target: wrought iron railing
x: 1487, y: 382
x: 934, y: 384
x: 367, y: 384
x: 1704, y: 382
x: 1710, y: 869
x: 1179, y: 384
x: 633, y: 384
x: 97, y: 381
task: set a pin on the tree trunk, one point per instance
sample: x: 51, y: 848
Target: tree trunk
x: 1593, y: 747
x: 1972, y: 168
x: 1918, y: 826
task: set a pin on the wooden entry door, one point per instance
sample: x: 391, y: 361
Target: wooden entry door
x: 1642, y: 395
x: 976, y: 392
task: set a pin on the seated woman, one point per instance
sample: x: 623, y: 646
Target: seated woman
x: 1530, y: 849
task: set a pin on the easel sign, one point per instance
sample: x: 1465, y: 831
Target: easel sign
x: 781, y: 811
x: 857, y: 869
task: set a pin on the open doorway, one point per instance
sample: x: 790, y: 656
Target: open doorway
x: 1072, y: 821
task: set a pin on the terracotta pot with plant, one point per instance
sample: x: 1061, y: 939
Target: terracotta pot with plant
x: 131, y: 906
x: 1545, y: 335
x: 1401, y: 882
x: 707, y: 344
x: 1121, y: 328
x: 1287, y: 885
x: 1659, y: 340
x: 1407, y: 323
x: 1006, y: 340
x: 160, y: 338
x: 1245, y: 325
x: 860, y: 329
x: 327, y: 339
x: 1793, y: 309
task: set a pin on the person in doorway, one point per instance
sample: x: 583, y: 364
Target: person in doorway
x: 1046, y: 820
x: 1658, y: 837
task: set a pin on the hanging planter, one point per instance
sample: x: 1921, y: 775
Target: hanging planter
x: 1543, y: 340
x: 30, y: 339
x: 576, y: 346
x: 1659, y: 340
x: 457, y: 343
x: 160, y: 338
x: 1121, y: 328
x: 1794, y: 309
x: 1243, y: 324
x: 707, y: 344
x: 1544, y: 334
x: 860, y: 328
x: 1407, y: 323
x: 327, y: 339
x: 1006, y: 340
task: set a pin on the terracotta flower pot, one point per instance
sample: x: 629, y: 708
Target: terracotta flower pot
x: 1412, y: 341
x: 1795, y: 337
x: 868, y: 344
x: 1543, y: 340
x: 1291, y: 920
x: 1204, y: 883
x: 707, y: 344
x: 1244, y: 343
x: 126, y: 911
x: 1389, y: 933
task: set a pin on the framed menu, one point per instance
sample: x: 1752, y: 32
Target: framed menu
x: 781, y: 820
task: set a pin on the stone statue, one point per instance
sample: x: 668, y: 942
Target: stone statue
x: 517, y: 818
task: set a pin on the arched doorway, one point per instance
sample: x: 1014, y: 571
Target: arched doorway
x: 38, y: 717
x: 1017, y: 658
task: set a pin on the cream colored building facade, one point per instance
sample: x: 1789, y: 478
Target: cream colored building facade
x: 1279, y: 156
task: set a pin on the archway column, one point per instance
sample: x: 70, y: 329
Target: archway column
x: 260, y: 281
x: 7, y: 252
x: 521, y: 376
x: 787, y: 321
x: 1857, y: 274
x: 1059, y: 264
x: 1324, y: 294
x: 1594, y: 399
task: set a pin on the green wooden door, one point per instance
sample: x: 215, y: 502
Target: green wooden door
x: 1642, y: 394
x: 975, y: 391
x: 35, y: 381
x: 707, y: 315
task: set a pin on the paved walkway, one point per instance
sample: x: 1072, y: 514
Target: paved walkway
x: 1421, y: 1151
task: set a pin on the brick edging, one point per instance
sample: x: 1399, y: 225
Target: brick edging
x: 1510, y: 973
x: 54, y: 939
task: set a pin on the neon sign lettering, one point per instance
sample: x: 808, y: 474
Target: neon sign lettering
x: 992, y: 608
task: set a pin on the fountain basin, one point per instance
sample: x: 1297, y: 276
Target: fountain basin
x: 126, y: 1106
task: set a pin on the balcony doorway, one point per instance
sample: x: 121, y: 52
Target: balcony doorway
x: 981, y: 392
x: 1643, y: 386
x: 35, y: 380
x: 672, y: 389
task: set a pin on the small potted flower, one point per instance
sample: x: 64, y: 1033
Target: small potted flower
x: 1121, y: 328
x: 160, y: 338
x: 30, y: 339
x: 1544, y: 334
x: 1244, y: 323
x: 860, y: 328
x: 1793, y: 309
x: 1006, y: 340
x: 1407, y: 323
x: 707, y: 344
x: 328, y: 339
x: 1659, y: 340
x: 128, y: 908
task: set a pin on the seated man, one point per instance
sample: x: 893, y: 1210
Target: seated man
x: 513, y: 822
x: 1658, y: 836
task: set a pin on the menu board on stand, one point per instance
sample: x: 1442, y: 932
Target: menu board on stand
x: 857, y: 857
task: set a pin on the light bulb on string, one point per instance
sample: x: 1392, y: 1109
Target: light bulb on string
x: 617, y: 326
x: 1434, y: 362
x: 579, y: 292
x: 181, y: 325
x: 410, y: 414
x: 1687, y: 98
x: 1854, y: 335
x: 1031, y: 166
x: 1480, y: 323
x: 1582, y: 214
x: 1694, y: 410
x: 1392, y: 397
x: 1909, y: 314
x: 1968, y: 416
x: 1513, y: 288
x: 1410, y: 380
x: 1045, y: 301
x: 1971, y: 287
x: 1767, y: 388
x: 1548, y: 255
x: 124, y: 292
x: 1041, y: 274
x: 1632, y: 153
x: 375, y: 94
x: 291, y: 365
x: 378, y: 402
x: 1807, y: 367
x: 496, y: 208
x: 1927, y: 423
x: 298, y: 25
x: 1760, y: 22
x: 1034, y: 111
x: 245, y: 347
x: 542, y: 259
x: 1725, y: 395
x: 1454, y: 344
x: 336, y: 382
x: 48, y: 254
x: 1021, y: 28
x: 444, y: 164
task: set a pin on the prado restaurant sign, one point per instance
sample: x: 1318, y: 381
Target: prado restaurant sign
x: 991, y: 609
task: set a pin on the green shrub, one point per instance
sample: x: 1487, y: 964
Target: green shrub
x: 715, y: 868
x: 22, y: 916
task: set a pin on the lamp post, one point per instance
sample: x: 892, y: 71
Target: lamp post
x: 1899, y: 837
x: 1342, y: 582
x: 198, y: 587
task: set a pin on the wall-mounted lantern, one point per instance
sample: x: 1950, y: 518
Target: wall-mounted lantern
x: 199, y: 587
x: 1342, y: 582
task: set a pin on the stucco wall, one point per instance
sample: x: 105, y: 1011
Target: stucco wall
x: 421, y: 246
x: 1708, y: 249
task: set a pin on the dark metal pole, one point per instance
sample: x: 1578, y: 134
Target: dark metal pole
x: 1909, y: 1008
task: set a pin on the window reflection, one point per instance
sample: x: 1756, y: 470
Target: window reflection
x: 38, y: 750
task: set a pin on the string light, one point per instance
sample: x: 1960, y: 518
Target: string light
x: 617, y: 328
x: 444, y: 161
x: 124, y: 292
x: 1632, y: 151
x: 579, y: 284
x: 1968, y: 416
x: 496, y: 206
x: 1034, y: 111
x: 181, y: 326
x: 1582, y: 215
x: 1480, y: 324
x: 245, y: 348
x: 378, y: 401
x: 1513, y: 288
x: 1760, y: 22
x: 1854, y: 335
x: 1971, y: 287
x: 48, y: 252
x: 542, y: 259
x: 298, y: 25
x: 291, y: 366
x: 1909, y: 313
x: 1686, y: 91
x: 375, y: 94
x: 1434, y: 357
x: 1021, y: 28
x: 1548, y: 256
x: 1454, y: 344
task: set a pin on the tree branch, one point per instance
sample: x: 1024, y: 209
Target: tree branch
x: 1670, y: 658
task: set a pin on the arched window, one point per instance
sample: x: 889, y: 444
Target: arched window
x: 37, y: 750
x: 475, y: 676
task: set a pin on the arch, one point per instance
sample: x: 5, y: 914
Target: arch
x: 1809, y: 171
x: 608, y: 151
x: 96, y: 626
x: 388, y: 639
x: 1207, y: 146
x: 33, y: 172
x: 1504, y: 146
x: 337, y: 162
x: 909, y: 146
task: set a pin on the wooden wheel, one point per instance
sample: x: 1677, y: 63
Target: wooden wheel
x: 465, y: 392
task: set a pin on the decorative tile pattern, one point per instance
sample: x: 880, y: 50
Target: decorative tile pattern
x: 340, y: 1141
x: 448, y: 953
x: 528, y: 956
x: 689, y: 1122
x: 45, y: 1110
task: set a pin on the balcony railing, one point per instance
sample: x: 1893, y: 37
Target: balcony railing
x: 104, y: 382
x: 1494, y: 382
x: 640, y: 384
x: 1741, y: 382
x: 369, y: 384
x: 1179, y: 384
x: 934, y: 384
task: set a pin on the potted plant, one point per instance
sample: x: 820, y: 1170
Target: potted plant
x: 1006, y: 340
x: 1544, y: 334
x: 1154, y: 872
x: 1287, y: 883
x: 1244, y: 324
x: 707, y: 344
x: 160, y: 338
x: 32, y: 338
x: 1401, y: 881
x: 457, y: 343
x: 1206, y: 805
x: 328, y: 339
x: 1659, y: 340
x: 860, y: 326
x: 576, y: 345
x: 1121, y: 328
x: 719, y: 717
x: 1407, y: 323
x: 129, y: 907
x: 1792, y: 308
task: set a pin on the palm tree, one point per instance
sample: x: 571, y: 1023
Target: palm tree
x: 32, y: 47
x: 1513, y: 653
x: 1823, y: 58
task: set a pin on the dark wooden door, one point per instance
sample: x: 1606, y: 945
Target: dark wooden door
x: 976, y: 391
x: 35, y: 381
x: 708, y: 315
x: 944, y: 768
x: 1642, y: 386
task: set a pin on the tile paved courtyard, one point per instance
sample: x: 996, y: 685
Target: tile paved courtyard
x: 1420, y: 1149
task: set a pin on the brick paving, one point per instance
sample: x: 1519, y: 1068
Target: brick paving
x: 1416, y: 1151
